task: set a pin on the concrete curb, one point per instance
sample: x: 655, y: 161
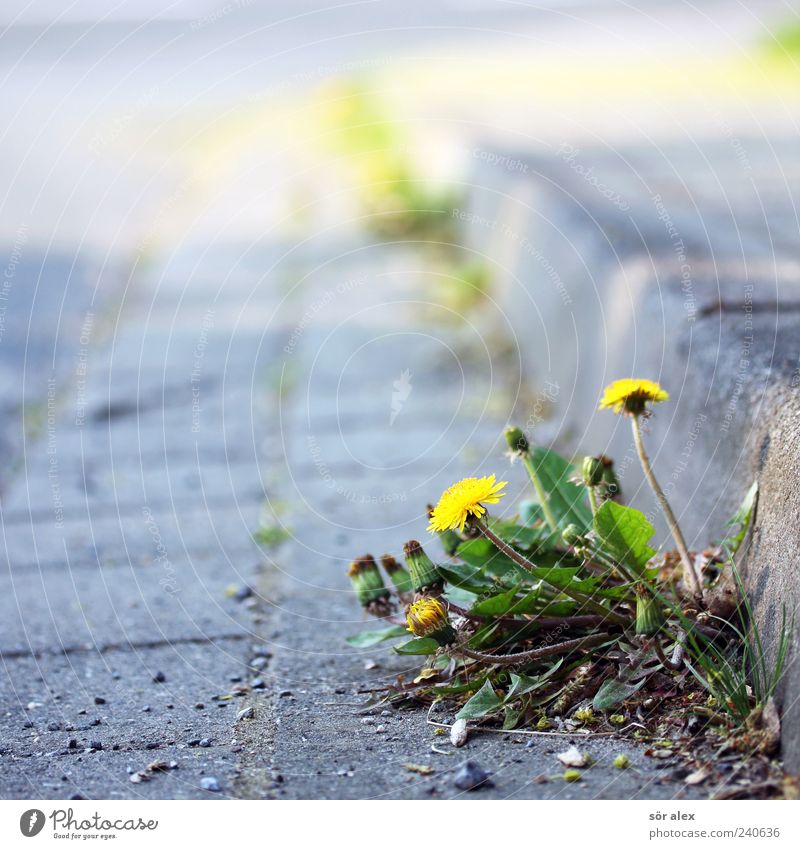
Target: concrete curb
x: 651, y: 292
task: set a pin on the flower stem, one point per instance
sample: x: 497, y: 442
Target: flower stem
x: 593, y: 500
x: 523, y: 561
x: 535, y: 654
x: 689, y: 571
x: 540, y: 493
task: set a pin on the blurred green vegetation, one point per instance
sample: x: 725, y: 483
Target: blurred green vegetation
x: 399, y: 201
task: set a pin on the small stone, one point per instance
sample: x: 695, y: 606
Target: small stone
x: 458, y: 733
x: 210, y: 783
x: 73, y: 743
x: 258, y: 663
x: 99, y: 700
x: 146, y: 709
x: 54, y: 726
x: 152, y: 745
x: 247, y: 713
x: 195, y: 742
x: 368, y: 720
x: 285, y: 693
x: 205, y: 743
x: 258, y: 684
x: 27, y: 724
x: 199, y: 706
x: 159, y: 678
x: 471, y: 776
x: 243, y: 592
x: 95, y: 745
x: 381, y: 729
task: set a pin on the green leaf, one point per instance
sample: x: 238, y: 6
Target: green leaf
x: 371, y: 638
x: 530, y: 603
x: 481, y: 554
x: 419, y: 645
x: 511, y: 718
x: 465, y: 577
x: 566, y: 499
x: 484, y: 636
x: 613, y: 691
x: 496, y: 605
x: 741, y: 519
x: 521, y: 536
x: 483, y: 702
x: 522, y: 684
x: 624, y: 533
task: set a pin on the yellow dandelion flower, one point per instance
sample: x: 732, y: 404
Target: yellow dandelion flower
x: 427, y: 617
x: 462, y: 500
x: 630, y: 396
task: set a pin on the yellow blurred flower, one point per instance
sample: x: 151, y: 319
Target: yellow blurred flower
x: 462, y: 500
x: 631, y: 395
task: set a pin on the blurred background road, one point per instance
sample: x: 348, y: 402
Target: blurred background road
x: 228, y: 229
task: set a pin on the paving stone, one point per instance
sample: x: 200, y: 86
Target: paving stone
x: 168, y: 600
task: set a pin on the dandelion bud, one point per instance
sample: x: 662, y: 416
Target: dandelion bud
x: 517, y: 441
x: 572, y: 535
x: 649, y: 616
x: 397, y: 574
x: 592, y: 471
x: 424, y: 575
x: 610, y: 480
x: 427, y: 617
x: 370, y: 590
